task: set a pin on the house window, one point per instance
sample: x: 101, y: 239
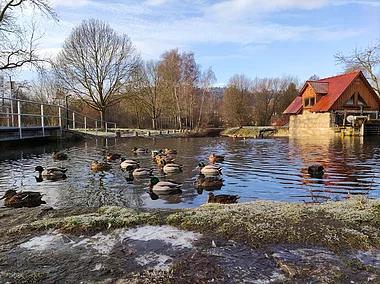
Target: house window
x: 350, y: 100
x: 355, y: 100
x: 361, y: 102
x: 308, y: 102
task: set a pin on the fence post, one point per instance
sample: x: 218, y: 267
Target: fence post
x: 85, y: 123
x: 106, y: 127
x: 60, y: 118
x: 19, y: 118
x: 7, y: 111
x: 74, y: 120
x: 42, y: 120
x: 12, y: 113
x: 96, y: 127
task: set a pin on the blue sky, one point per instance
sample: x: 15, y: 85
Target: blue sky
x: 258, y: 38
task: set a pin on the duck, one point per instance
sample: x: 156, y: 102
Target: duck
x: 139, y: 172
x: 316, y: 171
x: 58, y: 155
x: 52, y: 172
x: 215, y: 158
x: 209, y: 182
x: 170, y: 151
x: 156, y: 152
x: 22, y: 199
x: 125, y: 163
x: 163, y: 157
x: 113, y: 157
x: 171, y: 167
x: 137, y: 150
x: 164, y: 187
x: 222, y: 198
x: 100, y: 166
x: 209, y: 170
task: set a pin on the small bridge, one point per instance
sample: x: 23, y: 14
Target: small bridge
x: 22, y: 119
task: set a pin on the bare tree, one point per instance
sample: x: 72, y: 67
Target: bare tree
x: 270, y: 97
x: 237, y: 101
x: 181, y: 74
x: 18, y: 42
x: 97, y: 65
x: 367, y: 60
x: 208, y: 78
x: 150, y: 92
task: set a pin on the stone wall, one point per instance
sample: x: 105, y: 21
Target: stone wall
x: 311, y: 124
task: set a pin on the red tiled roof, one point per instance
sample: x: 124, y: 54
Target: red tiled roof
x: 335, y: 86
x: 319, y: 87
x: 295, y: 106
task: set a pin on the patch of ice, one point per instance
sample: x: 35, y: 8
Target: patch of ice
x: 168, y: 234
x: 102, y: 243
x: 46, y: 242
x: 152, y: 257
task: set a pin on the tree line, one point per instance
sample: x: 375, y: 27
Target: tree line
x: 100, y: 73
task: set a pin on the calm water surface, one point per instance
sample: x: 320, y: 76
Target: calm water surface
x: 272, y: 169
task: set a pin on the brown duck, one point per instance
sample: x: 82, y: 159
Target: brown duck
x: 59, y: 156
x: 222, y: 198
x: 215, y: 158
x: 100, y: 166
x: 113, y: 157
x: 22, y: 199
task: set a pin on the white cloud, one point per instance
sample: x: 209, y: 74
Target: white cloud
x: 238, y: 9
x: 69, y: 3
x: 155, y: 2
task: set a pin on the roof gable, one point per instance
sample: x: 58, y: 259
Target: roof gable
x: 331, y: 89
x: 336, y: 86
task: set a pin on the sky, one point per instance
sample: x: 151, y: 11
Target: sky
x: 257, y: 38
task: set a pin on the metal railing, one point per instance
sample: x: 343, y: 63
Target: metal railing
x: 21, y: 114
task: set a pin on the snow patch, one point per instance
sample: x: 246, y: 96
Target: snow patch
x: 168, y: 234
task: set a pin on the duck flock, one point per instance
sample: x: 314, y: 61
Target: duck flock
x: 209, y: 177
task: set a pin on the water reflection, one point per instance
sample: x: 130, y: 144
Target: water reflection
x: 275, y: 169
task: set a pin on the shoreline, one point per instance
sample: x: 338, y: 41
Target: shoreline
x: 332, y: 241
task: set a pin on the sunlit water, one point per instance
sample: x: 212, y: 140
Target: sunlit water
x: 271, y: 169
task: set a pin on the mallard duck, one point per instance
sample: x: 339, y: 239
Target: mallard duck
x: 170, y: 151
x: 156, y: 152
x: 139, y: 150
x: 209, y: 182
x: 113, y: 157
x: 215, y: 158
x: 164, y: 187
x: 209, y: 170
x: 171, y: 167
x: 54, y: 172
x: 316, y: 171
x: 125, y: 163
x: 139, y: 172
x: 59, y: 156
x: 22, y: 199
x: 222, y: 198
x: 100, y: 166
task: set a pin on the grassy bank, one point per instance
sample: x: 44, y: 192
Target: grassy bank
x: 335, y: 225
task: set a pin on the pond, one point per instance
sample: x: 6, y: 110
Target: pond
x: 271, y: 169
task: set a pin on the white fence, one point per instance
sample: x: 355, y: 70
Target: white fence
x: 21, y: 114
